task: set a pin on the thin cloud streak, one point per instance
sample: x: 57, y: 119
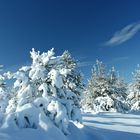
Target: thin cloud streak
x: 16, y: 67
x: 123, y: 35
x: 85, y: 64
x: 118, y: 59
x: 90, y: 63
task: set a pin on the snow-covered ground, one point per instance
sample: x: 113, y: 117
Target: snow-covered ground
x: 103, y: 126
x: 113, y: 126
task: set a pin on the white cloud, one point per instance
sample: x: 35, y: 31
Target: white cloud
x: 123, y: 35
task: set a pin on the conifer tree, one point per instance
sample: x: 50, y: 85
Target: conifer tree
x: 134, y: 91
x: 51, y: 86
x: 105, y: 92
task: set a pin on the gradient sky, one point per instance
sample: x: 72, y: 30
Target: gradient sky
x: 107, y: 30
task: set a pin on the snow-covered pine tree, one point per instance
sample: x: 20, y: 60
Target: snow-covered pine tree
x: 133, y: 98
x: 118, y: 91
x: 105, y: 92
x: 97, y: 87
x: 51, y: 87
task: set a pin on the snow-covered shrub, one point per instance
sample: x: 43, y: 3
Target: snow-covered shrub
x: 105, y: 92
x: 103, y: 104
x: 51, y: 86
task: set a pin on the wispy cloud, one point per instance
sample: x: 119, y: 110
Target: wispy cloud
x: 1, y: 68
x: 123, y: 35
x: 85, y: 64
x: 114, y: 60
x: 14, y: 68
x: 118, y: 59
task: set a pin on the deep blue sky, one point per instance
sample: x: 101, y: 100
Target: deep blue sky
x: 80, y: 26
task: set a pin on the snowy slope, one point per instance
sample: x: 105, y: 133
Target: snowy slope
x: 103, y: 126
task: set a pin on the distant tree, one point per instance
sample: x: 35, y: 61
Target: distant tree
x: 134, y: 91
x: 105, y: 92
x: 118, y: 90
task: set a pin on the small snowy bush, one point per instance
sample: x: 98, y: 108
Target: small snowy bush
x: 103, y: 104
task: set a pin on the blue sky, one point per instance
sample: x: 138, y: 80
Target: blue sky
x: 108, y: 30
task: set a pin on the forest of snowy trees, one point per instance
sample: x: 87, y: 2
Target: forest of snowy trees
x: 51, y: 91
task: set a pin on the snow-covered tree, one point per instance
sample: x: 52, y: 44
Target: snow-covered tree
x: 105, y: 92
x: 94, y: 86
x: 51, y: 87
x: 118, y: 90
x: 134, y: 91
x: 97, y: 86
x: 4, y: 97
